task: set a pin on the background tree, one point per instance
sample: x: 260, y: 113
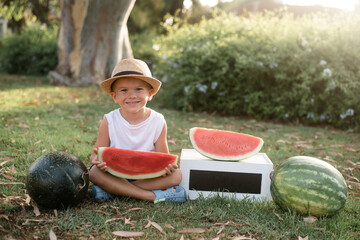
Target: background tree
x: 93, y: 37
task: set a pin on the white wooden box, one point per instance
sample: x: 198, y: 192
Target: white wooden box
x: 247, y: 178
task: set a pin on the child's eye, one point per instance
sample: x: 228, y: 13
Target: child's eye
x: 139, y: 89
x: 123, y: 90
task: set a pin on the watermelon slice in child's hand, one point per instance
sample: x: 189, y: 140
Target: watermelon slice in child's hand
x: 132, y: 164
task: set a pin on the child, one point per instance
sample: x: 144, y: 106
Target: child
x: 133, y: 126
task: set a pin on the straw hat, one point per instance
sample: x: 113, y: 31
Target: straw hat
x: 131, y: 68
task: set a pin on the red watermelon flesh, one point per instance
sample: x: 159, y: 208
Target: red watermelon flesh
x: 224, y: 145
x: 132, y: 164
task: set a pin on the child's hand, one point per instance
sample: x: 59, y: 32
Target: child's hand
x: 100, y: 165
x: 170, y: 169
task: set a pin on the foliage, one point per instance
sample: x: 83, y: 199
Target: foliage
x: 19, y: 13
x: 147, y: 15
x: 38, y: 118
x: 33, y: 51
x: 268, y: 66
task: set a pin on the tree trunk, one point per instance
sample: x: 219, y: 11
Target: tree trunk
x: 93, y: 37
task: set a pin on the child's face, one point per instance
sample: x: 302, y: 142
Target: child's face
x: 131, y: 94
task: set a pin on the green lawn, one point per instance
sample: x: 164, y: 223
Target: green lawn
x: 37, y: 118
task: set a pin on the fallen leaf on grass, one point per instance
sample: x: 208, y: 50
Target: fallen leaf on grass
x: 28, y: 199
x: 4, y: 162
x: 350, y: 177
x: 329, y: 159
x: 222, y: 224
x: 27, y: 221
x: 127, y: 234
x: 242, y: 238
x: 52, y: 235
x: 174, y: 140
x: 353, y: 183
x: 155, y: 225
x: 113, y: 219
x: 166, y: 225
x: 99, y: 211
x: 24, y: 126
x: 278, y: 216
x: 8, y: 177
x: 305, y: 238
x: 132, y: 209
x: 354, y: 165
x: 310, y: 219
x: 336, y: 154
x: 4, y: 216
x: 36, y: 209
x: 148, y: 224
x: 192, y: 230
x: 349, y: 149
x: 284, y: 141
x: 220, y: 230
x: 11, y: 183
x: 296, y: 137
x: 127, y: 221
x: 303, y: 145
x: 203, y: 120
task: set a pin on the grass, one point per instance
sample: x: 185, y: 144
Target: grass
x: 38, y: 118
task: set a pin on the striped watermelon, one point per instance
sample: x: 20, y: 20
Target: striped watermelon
x: 308, y: 185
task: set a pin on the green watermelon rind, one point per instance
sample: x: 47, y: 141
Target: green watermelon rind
x: 57, y: 180
x: 224, y: 158
x: 308, y: 186
x: 127, y: 176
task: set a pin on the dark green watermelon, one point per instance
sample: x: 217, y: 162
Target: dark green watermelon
x: 57, y: 180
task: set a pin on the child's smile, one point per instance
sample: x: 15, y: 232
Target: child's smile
x: 132, y: 95
x: 132, y: 104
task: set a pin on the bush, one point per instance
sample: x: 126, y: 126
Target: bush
x: 269, y: 66
x: 33, y: 51
x: 143, y: 48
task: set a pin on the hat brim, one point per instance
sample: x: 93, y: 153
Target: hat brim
x: 154, y: 83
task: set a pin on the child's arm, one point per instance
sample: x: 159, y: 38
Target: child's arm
x: 162, y: 146
x: 103, y: 140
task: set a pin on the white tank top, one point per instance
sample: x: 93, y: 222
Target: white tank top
x: 141, y: 136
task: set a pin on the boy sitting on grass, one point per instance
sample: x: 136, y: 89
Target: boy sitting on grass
x: 133, y: 126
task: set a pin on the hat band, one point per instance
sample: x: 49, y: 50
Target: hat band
x: 127, y: 73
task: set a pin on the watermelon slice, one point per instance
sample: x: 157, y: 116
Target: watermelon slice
x: 224, y: 145
x: 131, y: 164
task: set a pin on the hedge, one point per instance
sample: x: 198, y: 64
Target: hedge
x: 33, y: 51
x: 267, y: 66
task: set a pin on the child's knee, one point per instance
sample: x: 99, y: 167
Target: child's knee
x: 176, y: 177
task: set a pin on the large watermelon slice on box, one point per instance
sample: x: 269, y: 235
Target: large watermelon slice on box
x: 224, y: 145
x: 131, y: 164
x: 308, y: 185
